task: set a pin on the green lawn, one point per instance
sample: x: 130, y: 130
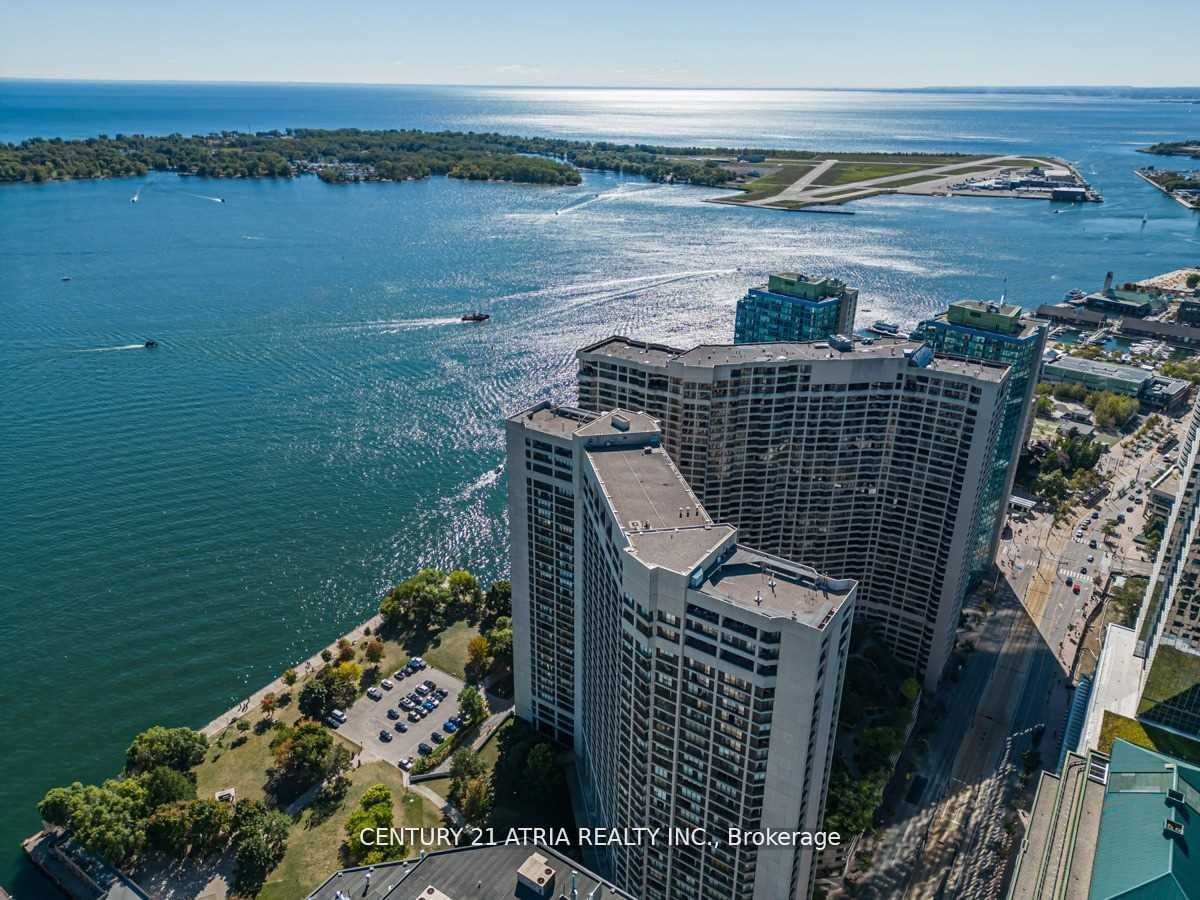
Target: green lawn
x: 770, y: 185
x: 446, y: 651
x: 244, y: 767
x: 1174, y: 673
x: 853, y: 172
x: 1141, y: 735
x: 314, y: 846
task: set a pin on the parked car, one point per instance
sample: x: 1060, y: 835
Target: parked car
x: 449, y: 727
x: 401, y: 727
x: 441, y: 693
x: 430, y: 683
x: 1078, y: 533
x: 436, y: 737
x: 1095, y: 514
x: 386, y: 684
x: 417, y: 661
x: 393, y: 713
x: 385, y: 735
x: 428, y: 706
x: 1070, y: 581
x: 374, y: 693
x: 406, y: 704
x: 406, y: 763
x: 415, y: 716
x: 424, y: 749
x: 422, y: 690
x: 337, y: 714
x: 332, y: 722
x: 400, y: 674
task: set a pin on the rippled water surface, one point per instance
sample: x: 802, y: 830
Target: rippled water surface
x: 179, y: 524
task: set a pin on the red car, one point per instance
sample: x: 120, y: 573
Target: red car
x: 1075, y: 589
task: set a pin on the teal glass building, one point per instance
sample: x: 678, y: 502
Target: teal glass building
x: 795, y: 307
x: 993, y: 332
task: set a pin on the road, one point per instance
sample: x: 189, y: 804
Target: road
x: 1017, y: 677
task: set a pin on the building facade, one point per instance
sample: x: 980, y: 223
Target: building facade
x: 867, y: 462
x: 707, y: 675
x: 994, y: 332
x: 1168, y: 627
x: 795, y: 307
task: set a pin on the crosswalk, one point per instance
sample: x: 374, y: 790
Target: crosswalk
x: 1075, y: 575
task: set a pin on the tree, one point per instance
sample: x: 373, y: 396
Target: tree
x: 165, y: 786
x: 374, y: 811
x: 472, y: 704
x: 302, y: 753
x: 475, y: 801
x: 541, y: 770
x: 466, y: 596
x: 289, y: 677
x: 498, y: 600
x: 465, y: 765
x: 209, y: 825
x: 345, y: 650
x: 167, y: 830
x: 374, y: 650
x: 314, y: 699
x: 500, y: 640
x: 267, y: 704
x: 109, y: 819
x: 477, y: 656
x: 178, y: 748
x: 1193, y: 280
x: 418, y: 600
x: 259, y: 843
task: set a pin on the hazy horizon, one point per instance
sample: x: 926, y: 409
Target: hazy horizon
x: 669, y: 44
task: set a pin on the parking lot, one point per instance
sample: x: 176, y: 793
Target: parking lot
x: 368, y: 717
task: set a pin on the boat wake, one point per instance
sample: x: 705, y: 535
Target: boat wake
x: 606, y: 195
x: 141, y: 346
x: 486, y: 480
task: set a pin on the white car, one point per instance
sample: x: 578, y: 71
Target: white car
x: 374, y: 693
x: 385, y: 684
x: 338, y: 714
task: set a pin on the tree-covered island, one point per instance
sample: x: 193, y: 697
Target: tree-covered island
x: 349, y: 154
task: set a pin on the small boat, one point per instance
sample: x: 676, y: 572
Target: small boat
x: 151, y: 344
x: 475, y: 317
x: 1074, y: 294
x: 65, y: 278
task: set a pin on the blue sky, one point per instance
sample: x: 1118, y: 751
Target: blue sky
x: 612, y: 42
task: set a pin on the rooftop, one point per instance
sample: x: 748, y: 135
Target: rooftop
x: 806, y: 287
x: 470, y: 873
x: 1060, y: 843
x: 559, y: 420
x: 1138, y: 853
x: 1114, y: 371
x: 714, y: 355
x: 645, y: 489
x: 987, y: 315
x: 773, y: 586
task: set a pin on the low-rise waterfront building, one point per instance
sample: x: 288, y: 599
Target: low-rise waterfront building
x: 1180, y: 334
x: 795, y: 307
x: 1098, y: 376
x: 994, y: 332
x: 706, y: 674
x: 1110, y: 826
x: 867, y: 461
x: 1067, y: 314
x: 487, y: 872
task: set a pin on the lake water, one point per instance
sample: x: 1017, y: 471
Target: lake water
x: 181, y: 524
